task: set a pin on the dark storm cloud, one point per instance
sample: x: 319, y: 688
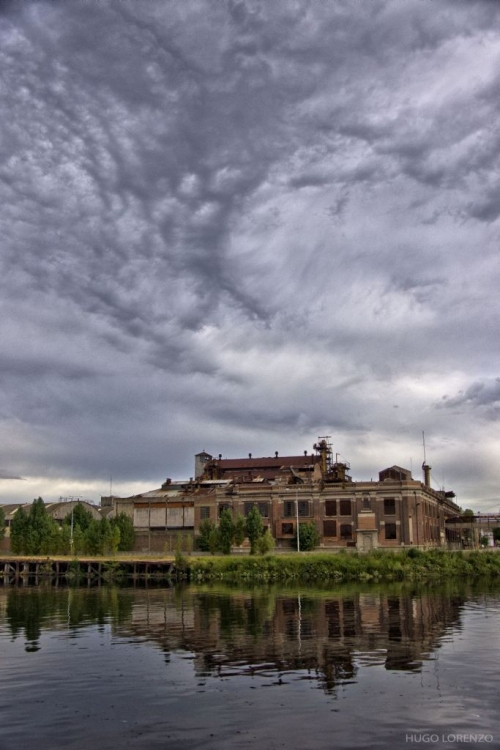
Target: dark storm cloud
x: 7, y: 475
x: 240, y: 222
x: 478, y: 394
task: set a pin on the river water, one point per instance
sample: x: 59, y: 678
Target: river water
x: 368, y: 666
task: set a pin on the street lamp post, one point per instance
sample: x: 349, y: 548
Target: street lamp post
x: 297, y: 516
x: 70, y: 499
x: 71, y: 535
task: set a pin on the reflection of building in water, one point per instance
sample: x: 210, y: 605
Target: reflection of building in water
x: 329, y: 635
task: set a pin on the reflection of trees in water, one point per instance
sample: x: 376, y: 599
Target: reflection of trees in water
x: 30, y: 611
x: 270, y: 631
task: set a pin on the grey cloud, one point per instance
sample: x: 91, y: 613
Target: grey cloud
x: 478, y: 394
x: 4, y: 474
x: 240, y: 224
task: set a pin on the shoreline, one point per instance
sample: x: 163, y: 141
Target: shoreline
x: 313, y: 567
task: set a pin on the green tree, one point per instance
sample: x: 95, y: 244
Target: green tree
x: 92, y: 536
x: 51, y: 544
x: 19, y: 531
x: 239, y: 530
x: 265, y: 543
x: 35, y: 532
x: 226, y: 531
x: 253, y: 528
x: 41, y: 530
x: 468, y: 512
x: 213, y: 541
x: 81, y: 517
x: 79, y: 540
x: 64, y: 542
x: 2, y: 523
x: 115, y: 539
x: 106, y: 536
x: 203, y: 540
x: 309, y: 536
x: 127, y: 534
x: 496, y: 534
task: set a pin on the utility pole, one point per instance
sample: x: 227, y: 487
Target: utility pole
x: 297, y: 516
x: 71, y: 499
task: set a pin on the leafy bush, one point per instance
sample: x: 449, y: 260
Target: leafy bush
x: 125, y: 525
x: 309, y: 536
x: 347, y: 566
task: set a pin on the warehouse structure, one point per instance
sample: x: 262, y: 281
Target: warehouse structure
x: 395, y: 511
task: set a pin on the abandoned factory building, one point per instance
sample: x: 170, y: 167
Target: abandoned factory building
x: 395, y: 511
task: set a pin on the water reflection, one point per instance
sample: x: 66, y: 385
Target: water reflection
x: 323, y: 635
x: 29, y: 611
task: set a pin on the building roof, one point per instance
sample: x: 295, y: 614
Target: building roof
x: 10, y: 508
x: 395, y: 472
x: 263, y: 462
x: 262, y: 467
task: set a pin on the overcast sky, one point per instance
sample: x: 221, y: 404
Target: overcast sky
x: 237, y: 226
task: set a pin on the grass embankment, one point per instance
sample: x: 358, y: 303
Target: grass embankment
x: 377, y: 566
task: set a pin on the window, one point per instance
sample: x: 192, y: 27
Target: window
x: 330, y: 528
x: 390, y: 531
x: 204, y: 512
x: 390, y: 506
x: 287, y: 529
x: 330, y: 507
x: 345, y: 531
x: 263, y: 508
x: 223, y: 507
x: 367, y: 503
x: 345, y: 507
x: 303, y: 508
x: 289, y: 509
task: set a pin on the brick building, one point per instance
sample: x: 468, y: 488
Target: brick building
x: 395, y: 511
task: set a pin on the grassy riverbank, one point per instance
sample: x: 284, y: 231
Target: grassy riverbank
x: 376, y: 566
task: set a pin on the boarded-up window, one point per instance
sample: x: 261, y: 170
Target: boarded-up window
x: 204, y: 512
x: 390, y: 506
x: 330, y: 507
x: 390, y: 531
x: 288, y: 509
x: 188, y: 518
x: 345, y: 508
x: 178, y: 517
x: 141, y: 518
x: 304, y: 508
x: 330, y: 528
x: 157, y: 518
x: 263, y: 508
x: 345, y: 531
x: 287, y: 529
